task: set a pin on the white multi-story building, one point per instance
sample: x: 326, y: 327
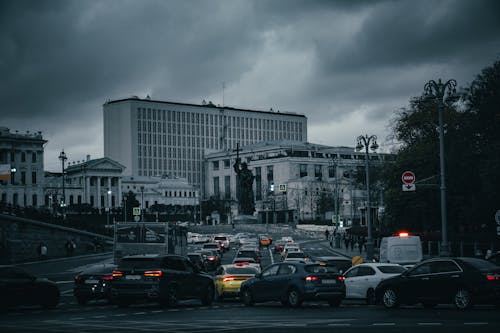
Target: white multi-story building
x: 295, y: 176
x: 22, y: 154
x: 153, y: 138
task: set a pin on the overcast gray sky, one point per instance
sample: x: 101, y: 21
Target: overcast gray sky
x: 346, y: 65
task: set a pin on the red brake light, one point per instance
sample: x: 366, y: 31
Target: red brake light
x: 107, y: 277
x: 228, y: 278
x: 341, y: 278
x: 492, y: 277
x: 403, y: 234
x: 312, y: 278
x: 153, y: 273
x: 211, y: 258
x: 117, y: 274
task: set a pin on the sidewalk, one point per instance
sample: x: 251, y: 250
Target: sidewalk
x: 342, y: 251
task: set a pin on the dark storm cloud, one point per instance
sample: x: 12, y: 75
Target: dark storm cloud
x: 345, y: 64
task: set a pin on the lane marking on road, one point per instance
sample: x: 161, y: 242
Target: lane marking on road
x: 157, y: 311
x: 119, y: 315
x: 139, y: 313
x: 173, y: 310
x: 384, y: 324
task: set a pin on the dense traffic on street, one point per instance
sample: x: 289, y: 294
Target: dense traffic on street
x: 243, y: 280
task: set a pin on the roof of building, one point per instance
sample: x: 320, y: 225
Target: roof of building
x: 209, y: 105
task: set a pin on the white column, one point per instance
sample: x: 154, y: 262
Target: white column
x: 98, y: 195
x: 87, y: 189
x: 119, y: 190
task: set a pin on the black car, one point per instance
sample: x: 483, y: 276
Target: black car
x: 294, y: 282
x: 19, y: 287
x: 198, y: 260
x: 165, y: 279
x: 94, y: 283
x: 342, y: 263
x: 249, y: 253
x: 458, y: 281
x: 212, y: 259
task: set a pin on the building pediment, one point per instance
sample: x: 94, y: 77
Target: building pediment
x: 97, y: 165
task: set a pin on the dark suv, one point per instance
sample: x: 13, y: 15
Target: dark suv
x: 164, y: 279
x: 295, y: 282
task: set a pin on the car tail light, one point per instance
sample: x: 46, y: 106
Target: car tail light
x: 228, y: 278
x: 341, y: 278
x: 155, y: 273
x: 78, y: 278
x: 492, y: 277
x: 311, y: 278
x: 107, y: 277
x: 211, y: 258
x: 117, y: 273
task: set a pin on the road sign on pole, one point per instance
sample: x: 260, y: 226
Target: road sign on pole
x: 408, y: 177
x: 136, y: 211
x: 408, y: 187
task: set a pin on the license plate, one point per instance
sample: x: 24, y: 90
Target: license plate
x: 91, y: 281
x: 132, y: 277
x: 328, y: 281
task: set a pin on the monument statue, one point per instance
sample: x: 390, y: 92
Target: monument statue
x: 244, y: 191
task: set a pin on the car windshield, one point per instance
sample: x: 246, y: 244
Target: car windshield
x: 296, y: 255
x: 342, y: 265
x: 241, y: 270
x: 249, y: 254
x: 321, y: 269
x: 392, y: 269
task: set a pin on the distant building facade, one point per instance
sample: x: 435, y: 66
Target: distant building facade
x: 296, y: 176
x: 22, y: 156
x: 154, y: 138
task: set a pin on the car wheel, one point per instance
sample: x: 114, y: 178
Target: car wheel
x: 208, y: 297
x: 82, y: 300
x: 390, y: 298
x: 171, y: 297
x: 462, y: 299
x: 247, y: 297
x: 370, y: 297
x: 334, y: 302
x: 294, y: 298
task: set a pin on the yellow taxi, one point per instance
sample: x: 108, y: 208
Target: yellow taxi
x: 265, y: 240
x: 228, y: 278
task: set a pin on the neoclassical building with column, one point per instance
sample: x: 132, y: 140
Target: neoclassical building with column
x: 96, y: 182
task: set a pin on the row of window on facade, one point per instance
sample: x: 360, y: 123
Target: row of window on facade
x: 199, y: 118
x: 34, y: 158
x: 20, y: 179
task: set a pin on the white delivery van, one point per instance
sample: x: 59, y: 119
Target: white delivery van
x: 402, y: 249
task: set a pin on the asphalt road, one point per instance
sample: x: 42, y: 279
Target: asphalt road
x: 231, y: 315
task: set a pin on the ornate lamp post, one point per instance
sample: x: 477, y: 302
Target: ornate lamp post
x: 109, y: 208
x: 441, y: 92
x: 63, y: 158
x: 368, y: 142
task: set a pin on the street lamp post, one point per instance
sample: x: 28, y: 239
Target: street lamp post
x: 441, y: 92
x: 142, y: 203
x: 63, y: 158
x: 364, y: 142
x: 109, y: 208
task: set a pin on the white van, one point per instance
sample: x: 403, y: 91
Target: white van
x: 403, y: 249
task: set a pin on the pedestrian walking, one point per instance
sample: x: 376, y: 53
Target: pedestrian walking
x: 327, y: 234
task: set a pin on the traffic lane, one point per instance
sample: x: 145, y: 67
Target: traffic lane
x: 65, y: 268
x: 191, y: 317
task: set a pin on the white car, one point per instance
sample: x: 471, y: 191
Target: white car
x: 361, y: 280
x: 293, y: 255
